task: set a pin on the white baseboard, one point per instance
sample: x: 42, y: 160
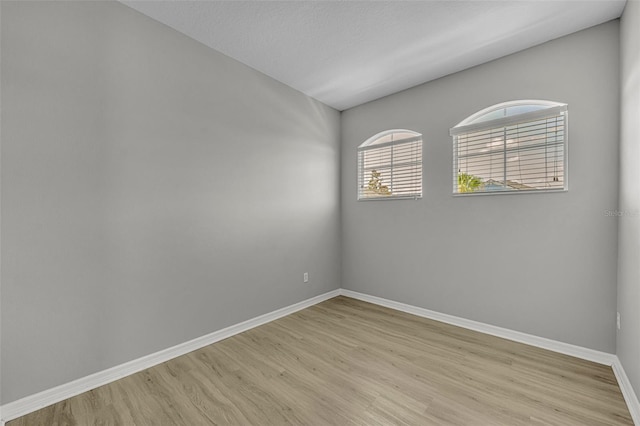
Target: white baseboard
x: 40, y: 400
x: 45, y: 398
x: 629, y: 394
x: 529, y: 339
x: 505, y: 333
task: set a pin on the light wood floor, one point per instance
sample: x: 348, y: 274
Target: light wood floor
x: 346, y: 362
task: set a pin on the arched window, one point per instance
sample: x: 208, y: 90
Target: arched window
x: 390, y: 166
x: 511, y: 147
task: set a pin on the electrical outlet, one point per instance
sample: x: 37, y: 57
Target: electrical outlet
x: 618, y: 320
x: 305, y: 277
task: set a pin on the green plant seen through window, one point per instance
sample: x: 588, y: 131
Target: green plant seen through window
x: 469, y: 183
x: 376, y: 186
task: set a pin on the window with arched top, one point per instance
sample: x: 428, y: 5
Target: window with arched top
x: 511, y: 147
x: 390, y: 166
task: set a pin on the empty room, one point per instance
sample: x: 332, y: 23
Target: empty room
x: 320, y: 212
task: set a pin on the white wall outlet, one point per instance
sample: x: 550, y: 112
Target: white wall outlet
x: 618, y: 320
x: 305, y: 277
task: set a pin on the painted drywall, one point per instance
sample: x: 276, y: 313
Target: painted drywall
x: 628, y: 342
x: 153, y: 191
x: 543, y: 264
x: 0, y: 216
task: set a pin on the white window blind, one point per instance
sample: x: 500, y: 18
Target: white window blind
x: 512, y: 147
x: 390, y: 166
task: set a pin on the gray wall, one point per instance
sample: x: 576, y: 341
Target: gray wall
x: 153, y: 191
x: 543, y: 264
x: 628, y: 349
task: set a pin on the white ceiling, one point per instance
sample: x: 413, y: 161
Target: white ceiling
x: 345, y: 53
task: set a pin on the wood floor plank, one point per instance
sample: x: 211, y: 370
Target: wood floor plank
x: 347, y: 362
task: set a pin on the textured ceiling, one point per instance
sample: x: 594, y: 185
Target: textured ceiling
x: 345, y: 53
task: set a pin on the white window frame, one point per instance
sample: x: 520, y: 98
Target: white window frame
x: 548, y: 109
x: 370, y: 145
